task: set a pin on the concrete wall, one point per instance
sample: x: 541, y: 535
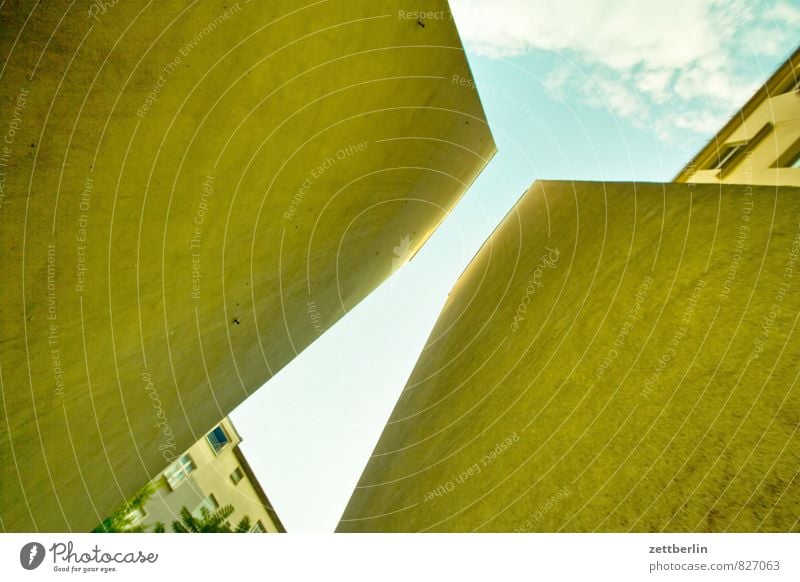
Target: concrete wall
x: 617, y: 357
x: 191, y: 193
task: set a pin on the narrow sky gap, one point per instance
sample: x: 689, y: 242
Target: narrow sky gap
x: 569, y: 94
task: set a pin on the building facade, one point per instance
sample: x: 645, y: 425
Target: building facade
x: 212, y: 473
x: 760, y: 145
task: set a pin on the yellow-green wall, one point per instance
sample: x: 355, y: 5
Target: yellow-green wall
x: 192, y: 192
x: 617, y: 357
x: 767, y: 128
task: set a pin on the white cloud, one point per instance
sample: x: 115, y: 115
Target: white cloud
x: 639, y: 58
x: 616, y: 33
x: 787, y: 13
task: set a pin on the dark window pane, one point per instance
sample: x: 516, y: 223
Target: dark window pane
x: 217, y: 438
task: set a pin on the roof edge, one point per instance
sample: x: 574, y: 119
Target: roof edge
x: 248, y: 470
x: 764, y: 91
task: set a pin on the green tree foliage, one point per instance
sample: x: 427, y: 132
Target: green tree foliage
x: 122, y: 518
x: 209, y: 522
x: 121, y: 521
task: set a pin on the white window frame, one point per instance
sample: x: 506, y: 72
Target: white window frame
x: 211, y: 444
x: 179, y: 470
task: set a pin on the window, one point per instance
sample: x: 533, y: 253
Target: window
x: 217, y: 439
x: 237, y: 476
x: 730, y: 154
x: 179, y: 470
x: 795, y: 163
x: 209, y: 503
x: 258, y: 527
x: 136, y: 515
x: 727, y: 155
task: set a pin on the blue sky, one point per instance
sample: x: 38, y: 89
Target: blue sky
x: 575, y: 89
